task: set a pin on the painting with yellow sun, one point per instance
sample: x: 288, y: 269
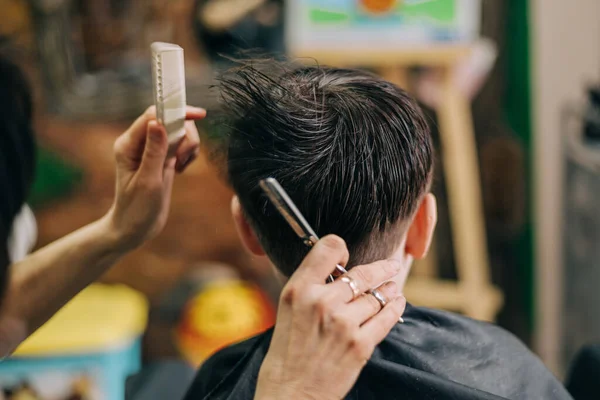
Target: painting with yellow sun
x: 319, y: 25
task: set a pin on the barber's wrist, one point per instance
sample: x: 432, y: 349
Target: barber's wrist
x: 271, y: 388
x: 117, y: 239
x: 279, y: 393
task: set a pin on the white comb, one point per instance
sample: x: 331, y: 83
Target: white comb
x: 168, y: 75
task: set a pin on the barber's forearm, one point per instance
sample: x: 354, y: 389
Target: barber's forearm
x: 43, y: 282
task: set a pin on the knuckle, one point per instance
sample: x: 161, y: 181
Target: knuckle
x: 360, y: 348
x: 389, y: 289
x: 363, y: 274
x: 118, y: 145
x: 334, y: 242
x: 117, y: 151
x: 323, y: 308
x: 289, y: 295
x: 341, y: 325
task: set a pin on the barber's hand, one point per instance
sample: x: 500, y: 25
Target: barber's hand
x: 145, y: 176
x: 324, y: 336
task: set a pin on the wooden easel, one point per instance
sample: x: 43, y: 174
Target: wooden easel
x: 473, y: 293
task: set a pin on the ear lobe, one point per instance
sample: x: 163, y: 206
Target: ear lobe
x: 245, y: 231
x: 420, y: 232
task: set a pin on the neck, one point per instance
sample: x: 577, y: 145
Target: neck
x: 401, y: 278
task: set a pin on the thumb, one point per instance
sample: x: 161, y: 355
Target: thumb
x: 155, y: 152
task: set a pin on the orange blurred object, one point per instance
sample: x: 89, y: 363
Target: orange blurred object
x: 222, y: 313
x: 379, y: 6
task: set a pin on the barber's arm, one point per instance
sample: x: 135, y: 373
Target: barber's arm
x: 43, y: 282
x: 325, y: 334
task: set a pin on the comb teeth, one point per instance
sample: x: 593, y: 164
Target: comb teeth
x: 158, y: 86
x: 159, y: 80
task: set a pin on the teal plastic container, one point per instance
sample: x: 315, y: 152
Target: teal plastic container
x: 86, y: 351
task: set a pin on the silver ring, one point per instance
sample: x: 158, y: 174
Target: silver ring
x: 353, y: 286
x: 379, y: 297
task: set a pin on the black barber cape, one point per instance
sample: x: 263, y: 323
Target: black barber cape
x: 433, y: 355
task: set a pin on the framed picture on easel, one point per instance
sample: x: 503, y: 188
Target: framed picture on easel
x: 390, y: 37
x: 383, y: 24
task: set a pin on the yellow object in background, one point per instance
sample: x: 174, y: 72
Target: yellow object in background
x: 220, y: 314
x: 100, y: 317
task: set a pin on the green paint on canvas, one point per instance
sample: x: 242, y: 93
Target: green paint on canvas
x: 327, y: 17
x: 440, y: 10
x: 443, y: 11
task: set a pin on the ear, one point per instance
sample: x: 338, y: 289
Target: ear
x: 420, y: 231
x: 245, y: 231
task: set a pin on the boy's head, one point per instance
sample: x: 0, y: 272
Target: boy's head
x: 353, y: 151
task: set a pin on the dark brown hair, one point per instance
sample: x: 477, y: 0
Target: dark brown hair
x: 353, y: 151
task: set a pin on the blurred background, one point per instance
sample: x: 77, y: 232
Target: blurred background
x: 511, y: 88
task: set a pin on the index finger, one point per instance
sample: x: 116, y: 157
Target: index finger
x: 321, y: 260
x: 137, y: 130
x: 194, y: 113
x: 366, y: 277
x: 378, y: 327
x: 191, y: 112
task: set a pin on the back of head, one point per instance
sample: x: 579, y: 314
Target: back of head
x: 353, y: 151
